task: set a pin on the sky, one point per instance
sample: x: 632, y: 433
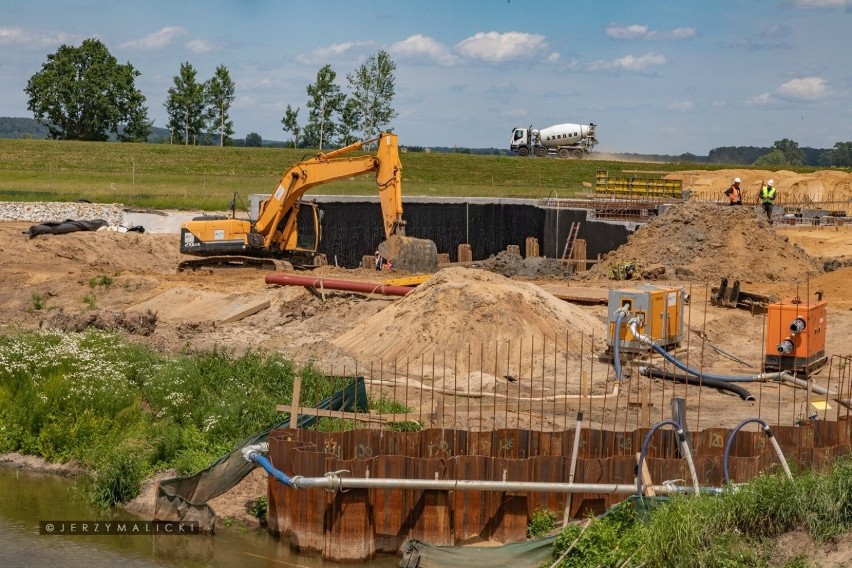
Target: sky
x: 655, y: 76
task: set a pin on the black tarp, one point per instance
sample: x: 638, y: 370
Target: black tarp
x: 67, y: 226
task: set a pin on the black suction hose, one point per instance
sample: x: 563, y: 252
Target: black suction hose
x: 697, y: 381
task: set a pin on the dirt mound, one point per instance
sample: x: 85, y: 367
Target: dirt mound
x: 704, y: 241
x: 824, y: 185
x: 472, y: 318
x: 143, y: 324
x: 513, y: 264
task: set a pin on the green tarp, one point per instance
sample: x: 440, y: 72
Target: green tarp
x: 185, y: 498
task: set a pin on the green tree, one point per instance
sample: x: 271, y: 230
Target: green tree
x: 219, y: 94
x: 373, y: 87
x: 290, y: 123
x: 325, y: 101
x: 349, y: 121
x: 253, y: 140
x: 773, y: 158
x: 841, y: 155
x: 185, y: 105
x: 793, y: 155
x: 83, y: 93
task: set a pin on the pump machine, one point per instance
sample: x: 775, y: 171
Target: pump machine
x: 795, y: 336
x: 660, y: 310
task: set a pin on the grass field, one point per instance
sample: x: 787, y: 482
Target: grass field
x: 206, y: 178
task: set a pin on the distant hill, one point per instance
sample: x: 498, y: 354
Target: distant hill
x: 19, y: 127
x: 11, y: 127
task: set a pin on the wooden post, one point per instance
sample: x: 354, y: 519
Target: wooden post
x: 295, y: 403
x: 646, y: 478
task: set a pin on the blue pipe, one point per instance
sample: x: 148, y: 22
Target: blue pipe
x: 271, y: 470
x: 647, y: 441
x: 633, y: 324
x: 772, y: 440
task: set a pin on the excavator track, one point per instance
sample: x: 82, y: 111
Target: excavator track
x: 225, y: 262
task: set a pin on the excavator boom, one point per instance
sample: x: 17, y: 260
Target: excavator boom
x: 276, y: 231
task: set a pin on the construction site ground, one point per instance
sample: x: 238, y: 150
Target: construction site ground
x: 438, y: 337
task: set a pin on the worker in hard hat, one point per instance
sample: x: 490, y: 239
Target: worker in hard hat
x: 734, y: 193
x: 767, y: 197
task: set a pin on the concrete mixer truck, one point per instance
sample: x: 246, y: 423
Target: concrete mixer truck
x: 563, y: 140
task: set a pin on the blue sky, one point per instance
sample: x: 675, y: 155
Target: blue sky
x: 655, y: 76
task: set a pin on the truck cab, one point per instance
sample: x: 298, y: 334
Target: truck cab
x: 525, y: 142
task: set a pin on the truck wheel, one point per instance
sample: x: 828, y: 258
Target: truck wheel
x: 578, y: 154
x: 564, y: 153
x: 541, y: 152
x: 523, y: 151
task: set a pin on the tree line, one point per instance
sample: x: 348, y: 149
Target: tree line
x: 84, y: 93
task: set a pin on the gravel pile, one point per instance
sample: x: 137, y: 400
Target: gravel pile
x: 56, y: 212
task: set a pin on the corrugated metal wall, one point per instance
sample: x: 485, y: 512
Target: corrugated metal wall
x: 356, y: 524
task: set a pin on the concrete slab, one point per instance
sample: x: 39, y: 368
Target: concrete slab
x: 185, y: 304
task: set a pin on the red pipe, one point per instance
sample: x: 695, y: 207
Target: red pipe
x: 329, y: 284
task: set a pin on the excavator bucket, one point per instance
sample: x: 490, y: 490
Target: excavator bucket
x: 410, y: 254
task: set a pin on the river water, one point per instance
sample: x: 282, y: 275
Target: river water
x: 28, y: 498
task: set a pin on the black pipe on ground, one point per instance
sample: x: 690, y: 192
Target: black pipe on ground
x: 696, y: 381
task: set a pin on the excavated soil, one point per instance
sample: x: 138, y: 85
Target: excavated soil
x: 487, y: 312
x: 465, y: 330
x: 702, y: 241
x: 793, y: 188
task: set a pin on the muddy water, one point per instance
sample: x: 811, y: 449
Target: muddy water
x: 27, y: 498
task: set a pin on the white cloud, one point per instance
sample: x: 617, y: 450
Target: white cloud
x: 682, y: 106
x: 820, y: 4
x: 333, y: 52
x: 630, y: 63
x: 806, y: 89
x: 760, y: 100
x: 156, y: 40
x: 637, y: 31
x: 200, y: 46
x: 27, y: 39
x: 493, y: 47
x: 422, y: 49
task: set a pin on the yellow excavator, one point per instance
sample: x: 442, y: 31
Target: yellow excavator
x: 288, y: 228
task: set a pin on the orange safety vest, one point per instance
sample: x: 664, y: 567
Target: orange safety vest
x: 735, y: 194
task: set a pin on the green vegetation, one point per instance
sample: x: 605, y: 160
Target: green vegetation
x: 206, y: 177
x: 541, y: 523
x: 736, y: 529
x: 124, y: 411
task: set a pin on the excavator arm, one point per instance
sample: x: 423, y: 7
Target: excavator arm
x: 275, y: 233
x: 329, y: 167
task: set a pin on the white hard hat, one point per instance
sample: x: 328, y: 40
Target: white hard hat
x: 736, y: 180
x: 770, y: 182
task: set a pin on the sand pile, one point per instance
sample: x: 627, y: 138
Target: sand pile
x: 703, y: 242
x: 470, y: 317
x: 824, y: 185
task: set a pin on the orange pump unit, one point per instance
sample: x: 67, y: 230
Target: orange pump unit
x: 795, y: 336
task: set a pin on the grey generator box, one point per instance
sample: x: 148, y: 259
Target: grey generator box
x: 660, y: 309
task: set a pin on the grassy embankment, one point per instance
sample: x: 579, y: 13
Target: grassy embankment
x: 124, y: 412
x: 739, y: 529
x: 205, y: 178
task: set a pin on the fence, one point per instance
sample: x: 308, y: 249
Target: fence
x: 471, y: 426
